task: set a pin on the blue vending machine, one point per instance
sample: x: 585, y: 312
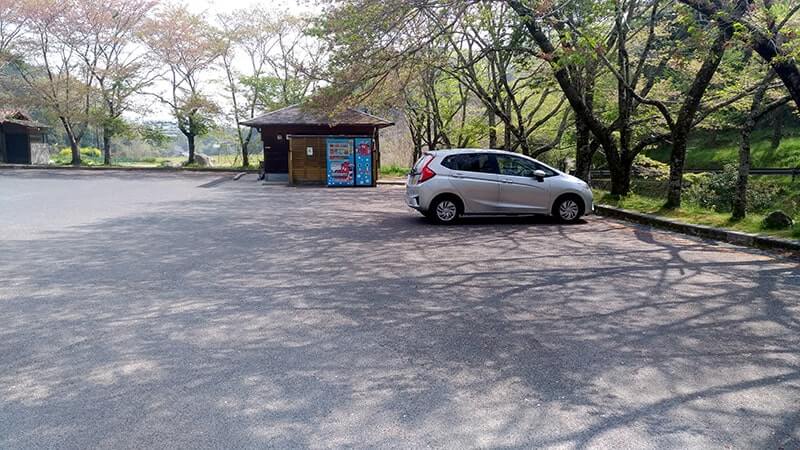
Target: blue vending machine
x: 341, y: 162
x: 363, y: 148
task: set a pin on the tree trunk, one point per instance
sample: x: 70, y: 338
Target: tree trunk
x: 777, y: 128
x: 583, y: 151
x: 416, y: 140
x: 428, y: 128
x: 76, y: 152
x: 507, y: 146
x: 73, y: 142
x: 677, y: 162
x: 492, y: 121
x: 620, y: 177
x: 740, y: 199
x: 106, y: 146
x: 584, y: 147
x: 245, y: 157
x: 680, y: 131
x: 491, y: 116
x: 624, y: 106
x: 190, y: 138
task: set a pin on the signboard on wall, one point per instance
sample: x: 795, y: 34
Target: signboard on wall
x: 341, y: 162
x: 363, y: 157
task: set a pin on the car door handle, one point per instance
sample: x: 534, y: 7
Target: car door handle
x: 506, y: 181
x: 458, y: 175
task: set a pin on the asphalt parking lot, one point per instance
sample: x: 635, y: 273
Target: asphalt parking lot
x: 182, y: 310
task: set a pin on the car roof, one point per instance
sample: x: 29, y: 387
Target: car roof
x: 455, y: 151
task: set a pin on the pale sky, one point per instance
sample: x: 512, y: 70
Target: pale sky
x: 294, y: 6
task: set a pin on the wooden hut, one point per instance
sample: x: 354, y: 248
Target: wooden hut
x: 303, y: 146
x: 19, y: 136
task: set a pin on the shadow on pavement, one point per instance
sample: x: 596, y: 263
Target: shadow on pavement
x: 289, y: 317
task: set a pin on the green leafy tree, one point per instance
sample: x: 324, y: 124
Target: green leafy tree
x: 451, y: 66
x: 769, y: 28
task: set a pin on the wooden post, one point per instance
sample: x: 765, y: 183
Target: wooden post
x: 291, y: 169
x: 30, y: 147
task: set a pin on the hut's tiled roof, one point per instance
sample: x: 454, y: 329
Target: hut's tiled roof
x: 300, y: 115
x: 18, y: 117
x: 13, y: 114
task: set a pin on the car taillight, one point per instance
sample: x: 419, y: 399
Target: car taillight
x: 426, y: 173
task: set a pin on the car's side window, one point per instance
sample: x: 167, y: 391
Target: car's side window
x: 519, y: 167
x: 451, y: 162
x: 472, y: 162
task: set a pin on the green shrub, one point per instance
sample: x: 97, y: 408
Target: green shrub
x: 649, y: 169
x: 656, y: 186
x: 763, y: 195
x: 692, y: 179
x: 90, y: 152
x: 717, y: 191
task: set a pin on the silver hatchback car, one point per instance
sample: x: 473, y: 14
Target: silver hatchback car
x: 446, y: 184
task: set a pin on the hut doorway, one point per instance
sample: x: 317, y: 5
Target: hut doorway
x: 18, y: 149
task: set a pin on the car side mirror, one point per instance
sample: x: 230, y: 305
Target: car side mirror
x: 539, y: 174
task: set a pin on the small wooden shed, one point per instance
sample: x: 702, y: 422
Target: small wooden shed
x: 19, y: 135
x: 303, y: 146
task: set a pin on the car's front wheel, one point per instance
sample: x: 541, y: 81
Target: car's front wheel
x: 445, y: 210
x: 568, y: 208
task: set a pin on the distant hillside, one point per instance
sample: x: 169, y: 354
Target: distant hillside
x: 712, y: 150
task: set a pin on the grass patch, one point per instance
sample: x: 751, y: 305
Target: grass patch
x: 695, y: 215
x: 221, y: 161
x: 254, y: 158
x: 394, y: 171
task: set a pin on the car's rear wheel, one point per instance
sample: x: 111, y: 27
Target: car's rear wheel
x: 568, y: 209
x: 444, y: 210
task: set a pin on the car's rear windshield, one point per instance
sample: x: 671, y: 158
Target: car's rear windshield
x: 420, y: 162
